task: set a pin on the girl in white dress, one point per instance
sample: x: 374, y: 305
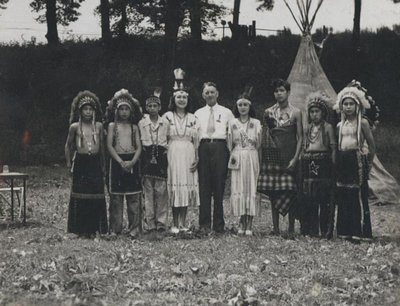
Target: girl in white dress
x: 244, y: 139
x: 182, y: 183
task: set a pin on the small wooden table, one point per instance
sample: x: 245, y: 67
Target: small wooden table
x: 9, y: 178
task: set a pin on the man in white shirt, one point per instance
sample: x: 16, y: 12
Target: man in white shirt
x: 213, y: 158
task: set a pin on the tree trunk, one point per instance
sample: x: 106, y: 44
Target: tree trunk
x: 105, y: 20
x: 195, y: 19
x: 51, y: 18
x: 356, y: 38
x: 123, y: 22
x: 173, y: 20
x: 235, y: 22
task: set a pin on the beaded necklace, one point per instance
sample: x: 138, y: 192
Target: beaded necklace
x: 180, y: 123
x: 244, y: 136
x: 117, y: 138
x: 88, y: 142
x: 154, y: 148
x: 313, y: 133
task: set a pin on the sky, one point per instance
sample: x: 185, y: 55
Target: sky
x: 17, y: 22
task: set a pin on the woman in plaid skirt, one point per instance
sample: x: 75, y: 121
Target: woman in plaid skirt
x: 281, y: 144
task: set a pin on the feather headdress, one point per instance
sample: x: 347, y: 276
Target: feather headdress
x: 84, y: 98
x: 123, y: 97
x: 155, y: 97
x: 179, y: 86
x: 358, y: 96
x: 355, y: 94
x: 372, y: 114
x: 318, y: 99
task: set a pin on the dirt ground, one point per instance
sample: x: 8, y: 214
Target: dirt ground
x: 40, y: 264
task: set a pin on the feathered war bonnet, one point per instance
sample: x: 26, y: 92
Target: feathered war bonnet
x: 362, y: 104
x: 85, y: 98
x: 320, y: 100
x: 120, y: 98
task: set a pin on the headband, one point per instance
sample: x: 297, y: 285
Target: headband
x: 243, y: 100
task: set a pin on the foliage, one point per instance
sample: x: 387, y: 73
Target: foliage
x: 147, y: 17
x: 266, y: 5
x: 3, y: 4
x: 42, y: 265
x: 67, y: 10
x: 43, y: 81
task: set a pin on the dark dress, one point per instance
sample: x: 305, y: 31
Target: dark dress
x: 87, y: 206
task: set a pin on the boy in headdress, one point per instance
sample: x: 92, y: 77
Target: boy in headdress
x: 153, y: 131
x: 87, y: 206
x: 318, y: 156
x: 124, y: 146
x: 356, y: 150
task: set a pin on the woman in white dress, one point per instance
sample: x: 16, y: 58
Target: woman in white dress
x: 244, y: 139
x: 182, y: 183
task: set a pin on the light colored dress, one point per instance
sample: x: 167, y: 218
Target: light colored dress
x: 182, y: 184
x: 244, y: 139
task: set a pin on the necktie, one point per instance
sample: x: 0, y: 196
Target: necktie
x: 211, y: 123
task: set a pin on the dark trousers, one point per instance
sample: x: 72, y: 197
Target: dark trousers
x: 213, y: 162
x: 354, y: 218
x: 315, y: 216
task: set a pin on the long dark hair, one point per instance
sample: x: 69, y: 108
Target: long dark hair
x: 172, y: 105
x: 235, y: 110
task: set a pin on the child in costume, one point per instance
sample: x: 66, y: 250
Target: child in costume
x: 318, y: 156
x: 87, y: 207
x: 244, y: 140
x: 124, y: 147
x: 356, y: 150
x: 183, y: 143
x: 281, y: 145
x: 153, y: 130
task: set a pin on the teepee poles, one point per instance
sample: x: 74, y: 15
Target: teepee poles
x: 294, y: 17
x: 315, y: 13
x: 303, y: 22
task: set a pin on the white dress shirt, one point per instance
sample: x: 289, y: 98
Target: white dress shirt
x: 222, y: 116
x: 153, y: 133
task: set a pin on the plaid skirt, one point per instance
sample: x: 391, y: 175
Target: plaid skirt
x: 275, y: 178
x: 278, y: 184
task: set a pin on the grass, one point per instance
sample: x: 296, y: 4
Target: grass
x: 41, y: 264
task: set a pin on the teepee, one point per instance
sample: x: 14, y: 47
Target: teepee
x: 307, y: 76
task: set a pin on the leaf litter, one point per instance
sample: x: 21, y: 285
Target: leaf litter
x: 41, y: 264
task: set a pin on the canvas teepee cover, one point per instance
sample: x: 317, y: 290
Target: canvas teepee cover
x: 307, y: 76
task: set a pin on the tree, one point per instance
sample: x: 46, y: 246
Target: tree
x: 149, y: 16
x: 356, y: 37
x: 119, y: 8
x: 56, y: 12
x: 194, y: 7
x: 3, y: 4
x: 105, y: 20
x: 234, y: 25
x: 265, y: 5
